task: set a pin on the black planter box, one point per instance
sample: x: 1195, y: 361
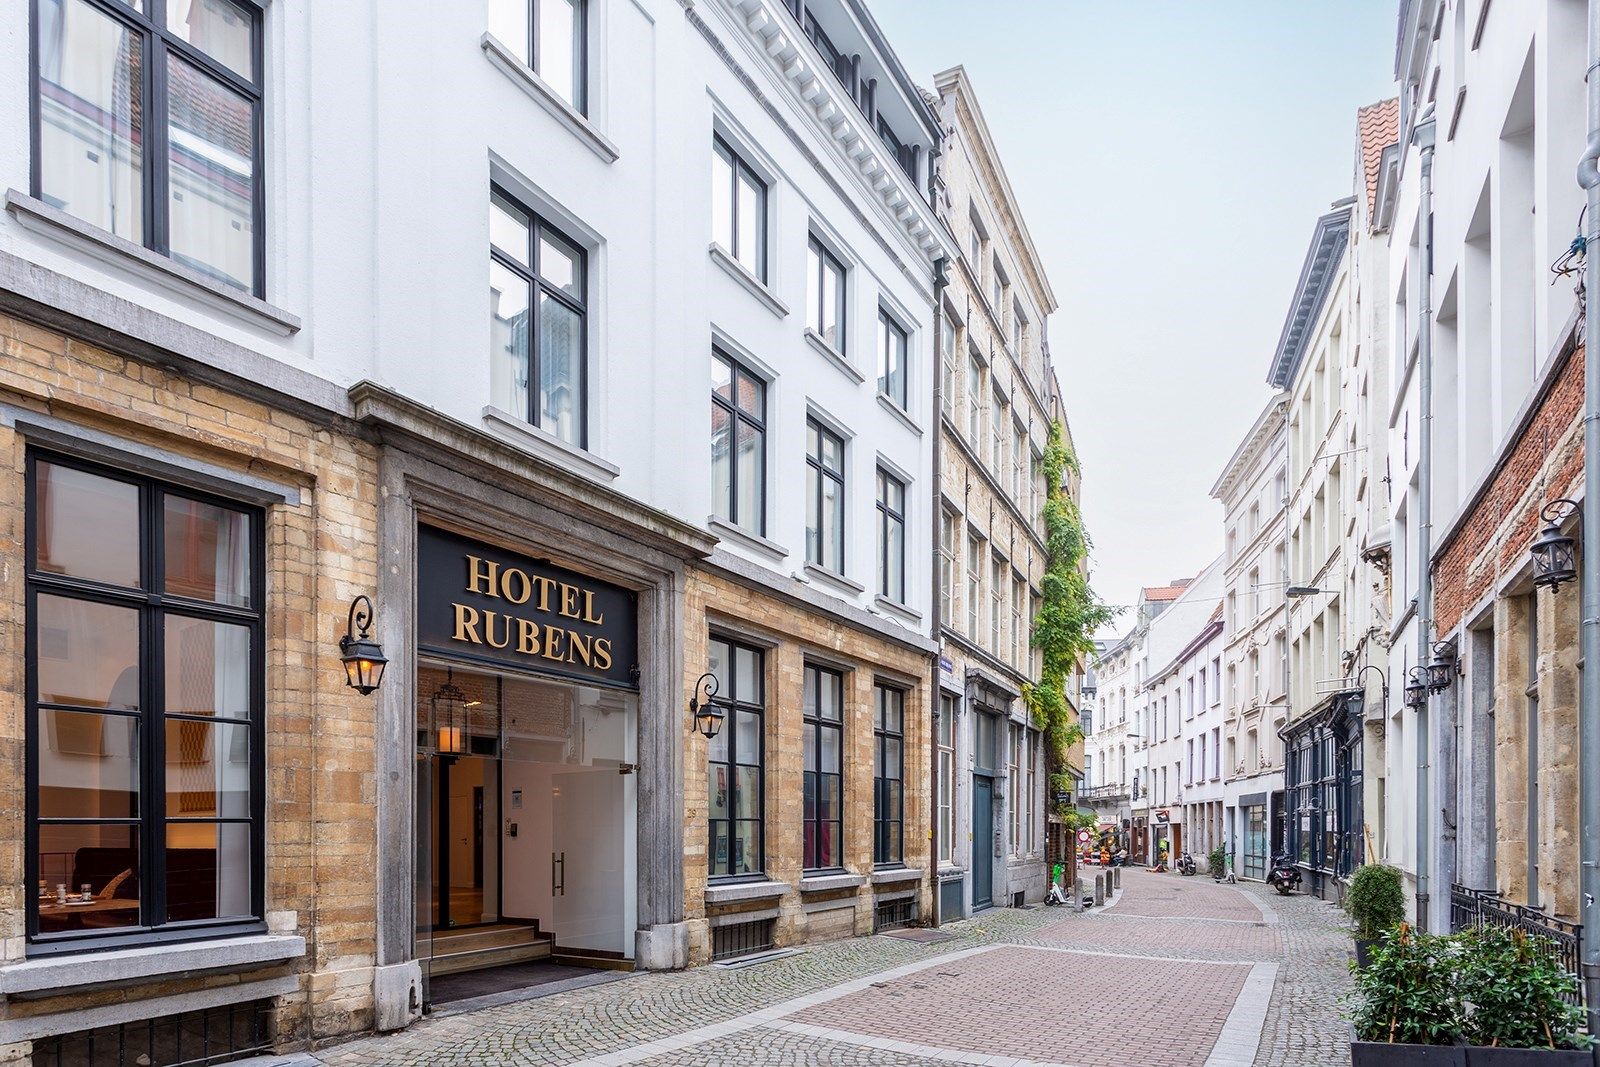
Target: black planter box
x: 1480, y: 1056
x: 1384, y: 1054
x: 1363, y: 949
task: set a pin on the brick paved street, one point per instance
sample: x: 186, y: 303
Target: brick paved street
x: 1175, y: 971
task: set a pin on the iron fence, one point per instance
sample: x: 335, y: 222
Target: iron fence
x: 1485, y: 907
x: 190, y: 1039
x: 733, y: 940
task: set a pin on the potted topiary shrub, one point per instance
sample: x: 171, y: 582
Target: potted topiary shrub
x: 1217, y: 861
x: 1408, y: 1012
x: 1376, y: 902
x: 1521, y: 1003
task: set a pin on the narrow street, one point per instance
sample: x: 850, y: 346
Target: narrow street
x: 1175, y: 971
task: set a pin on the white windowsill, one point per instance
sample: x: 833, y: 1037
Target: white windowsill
x: 540, y: 92
x: 146, y: 265
x: 899, y: 413
x: 835, y: 357
x: 824, y: 575
x: 897, y: 874
x: 62, y: 973
x: 894, y: 607
x: 739, y: 535
x: 741, y: 274
x: 822, y: 883
x: 547, y: 446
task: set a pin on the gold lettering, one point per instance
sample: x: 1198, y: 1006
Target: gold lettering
x: 488, y: 629
x: 489, y: 568
x: 588, y: 610
x: 602, y: 653
x: 466, y: 624
x: 552, y: 643
x: 506, y: 577
x: 545, y: 585
x: 569, y: 600
x: 578, y: 647
x: 527, y: 637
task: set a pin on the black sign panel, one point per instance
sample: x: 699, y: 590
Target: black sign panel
x: 475, y: 601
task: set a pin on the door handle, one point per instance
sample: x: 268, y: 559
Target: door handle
x: 558, y: 885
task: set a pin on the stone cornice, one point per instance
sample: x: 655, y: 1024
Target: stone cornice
x: 772, y: 32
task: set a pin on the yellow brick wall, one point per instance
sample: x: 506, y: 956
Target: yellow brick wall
x: 321, y: 795
x: 733, y: 609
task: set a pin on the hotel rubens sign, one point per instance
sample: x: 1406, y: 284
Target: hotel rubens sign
x: 475, y: 601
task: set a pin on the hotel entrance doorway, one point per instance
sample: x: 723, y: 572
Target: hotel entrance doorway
x: 525, y: 815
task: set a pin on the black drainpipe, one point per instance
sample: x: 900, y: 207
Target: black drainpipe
x: 941, y: 278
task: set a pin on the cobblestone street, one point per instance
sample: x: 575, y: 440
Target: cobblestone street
x: 1174, y: 971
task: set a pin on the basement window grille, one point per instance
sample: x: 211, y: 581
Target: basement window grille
x: 894, y: 914
x: 741, y: 939
x: 188, y: 1039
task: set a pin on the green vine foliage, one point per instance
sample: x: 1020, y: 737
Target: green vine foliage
x: 1069, y: 613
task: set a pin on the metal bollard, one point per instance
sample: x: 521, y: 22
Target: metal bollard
x: 1099, y: 889
x: 1116, y: 878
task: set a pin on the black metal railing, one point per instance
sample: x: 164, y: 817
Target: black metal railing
x: 191, y: 1039
x: 1485, y: 907
x: 894, y: 914
x: 734, y: 940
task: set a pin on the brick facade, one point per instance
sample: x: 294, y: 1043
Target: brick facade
x: 792, y: 635
x: 320, y: 552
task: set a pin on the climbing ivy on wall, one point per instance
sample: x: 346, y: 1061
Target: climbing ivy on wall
x: 1069, y: 613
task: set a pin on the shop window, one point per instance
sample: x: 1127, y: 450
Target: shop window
x: 947, y: 778
x: 537, y: 320
x: 735, y: 762
x: 824, y: 769
x: 148, y: 126
x: 888, y: 837
x: 738, y: 443
x: 144, y: 651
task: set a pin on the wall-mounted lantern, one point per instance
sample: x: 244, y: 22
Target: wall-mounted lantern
x: 449, y: 705
x: 362, y: 657
x: 1553, y: 560
x: 707, y: 716
x: 1416, y: 687
x: 1443, y: 667
x: 1359, y: 704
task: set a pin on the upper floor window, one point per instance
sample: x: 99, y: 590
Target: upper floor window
x: 144, y: 709
x: 891, y: 536
x: 825, y: 295
x: 738, y: 209
x: 824, y: 497
x: 947, y: 566
x: 997, y: 289
x: 548, y: 36
x: 975, y: 405
x: 738, y: 443
x: 147, y: 124
x: 1018, y: 324
x: 536, y: 316
x: 892, y: 360
x: 976, y: 237
x: 948, y: 382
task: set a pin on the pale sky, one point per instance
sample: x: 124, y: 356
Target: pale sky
x: 1171, y: 158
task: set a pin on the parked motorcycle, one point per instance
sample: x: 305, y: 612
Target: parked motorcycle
x: 1285, y: 876
x: 1186, y: 865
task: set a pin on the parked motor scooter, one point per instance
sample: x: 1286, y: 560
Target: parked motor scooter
x: 1186, y: 864
x: 1285, y: 876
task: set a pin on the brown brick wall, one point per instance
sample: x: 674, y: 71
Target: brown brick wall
x: 321, y: 794
x: 1546, y: 463
x: 790, y: 634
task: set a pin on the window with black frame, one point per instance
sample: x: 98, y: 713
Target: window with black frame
x: 892, y: 377
x: 537, y: 321
x: 888, y: 815
x: 147, y: 122
x: 824, y: 769
x: 144, y: 687
x: 825, y: 295
x: 547, y: 36
x: 735, y: 760
x: 891, y: 536
x: 738, y: 443
x: 738, y: 208
x: 824, y: 497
